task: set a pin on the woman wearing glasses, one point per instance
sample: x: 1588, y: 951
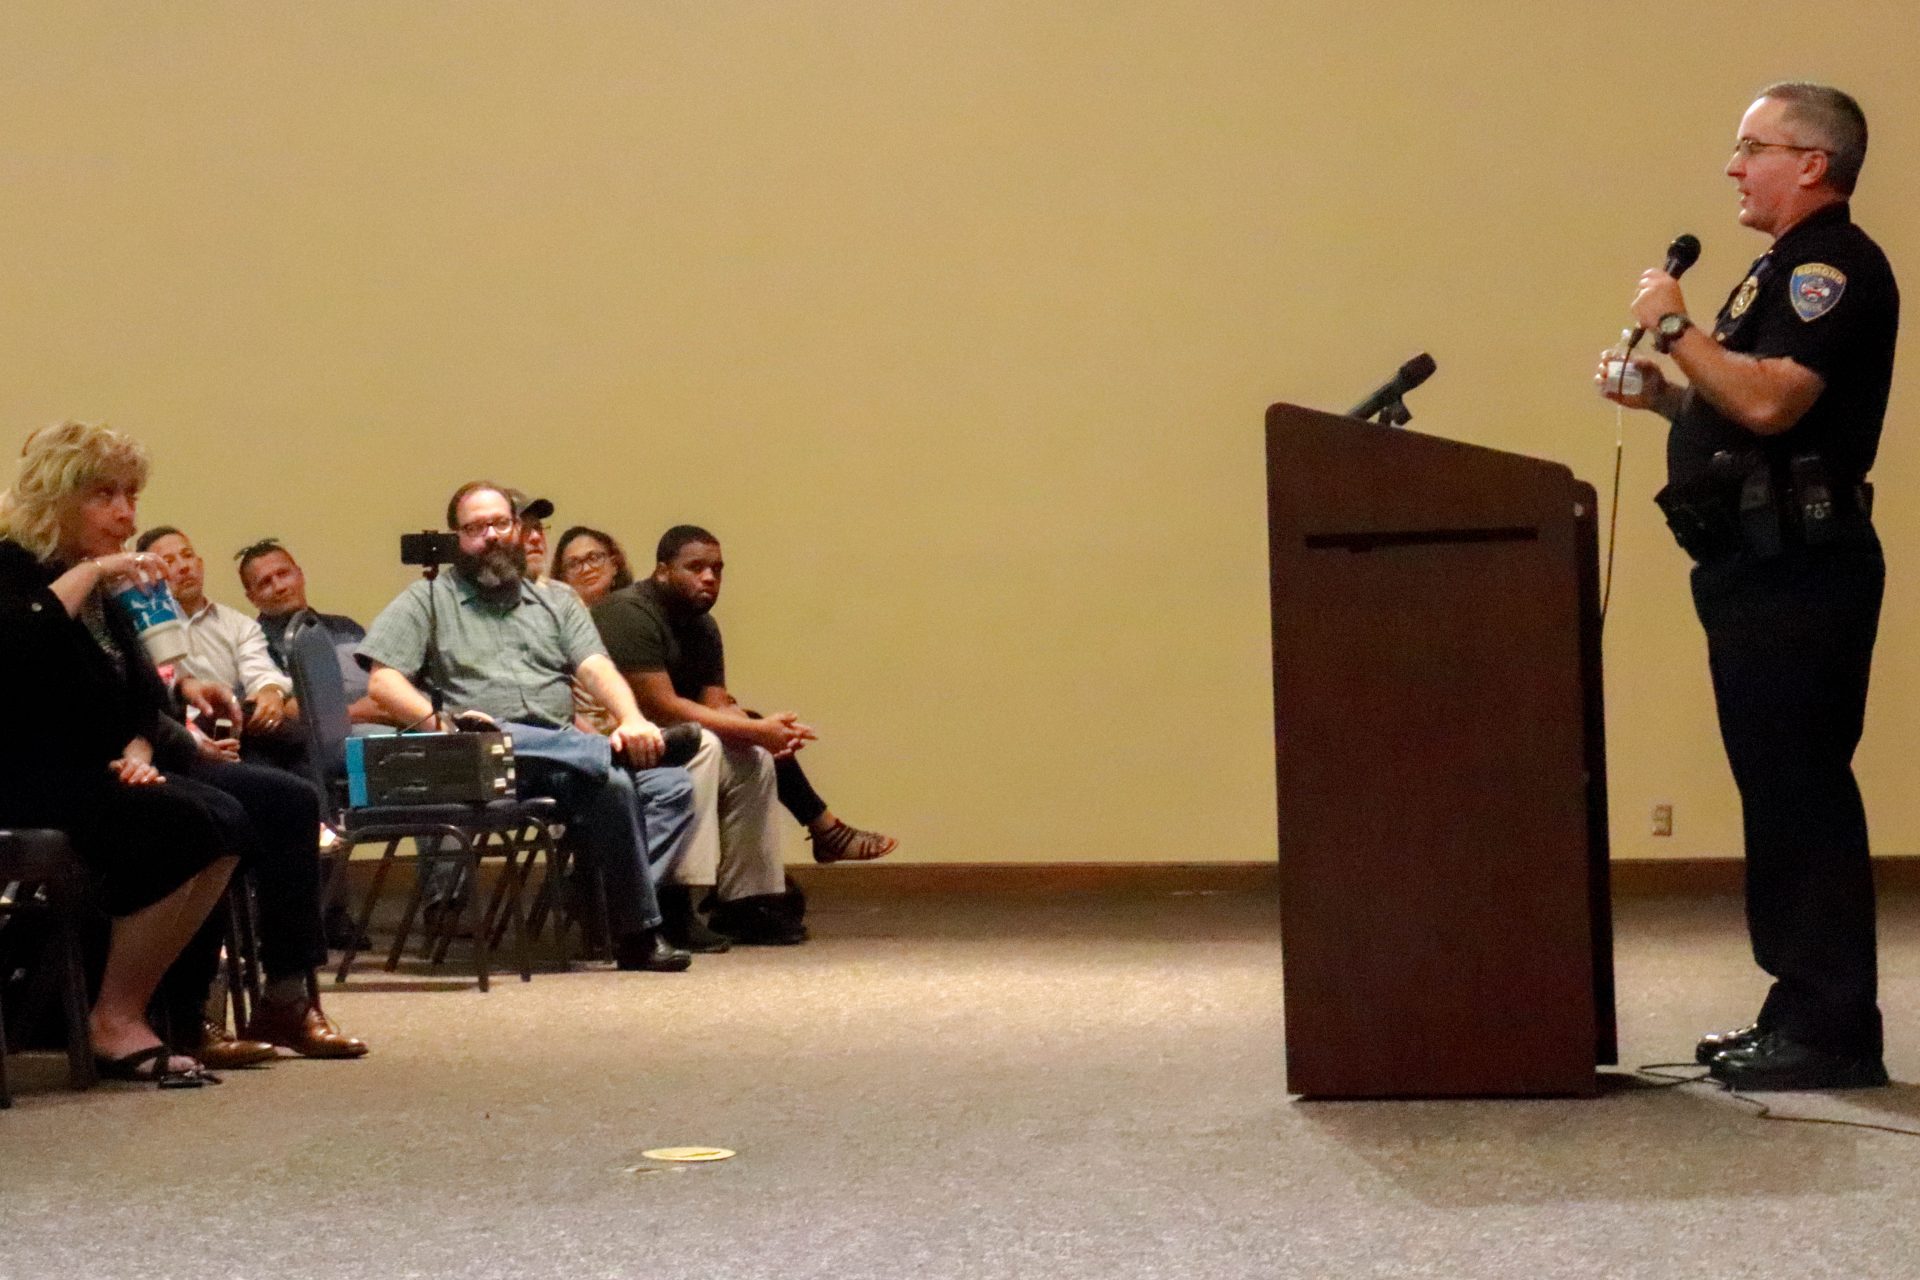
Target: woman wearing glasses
x: 592, y: 563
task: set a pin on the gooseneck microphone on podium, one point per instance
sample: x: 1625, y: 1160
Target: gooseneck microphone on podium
x: 1388, y: 403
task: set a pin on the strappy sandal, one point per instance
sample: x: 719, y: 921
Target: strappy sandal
x: 843, y: 843
x: 153, y: 1065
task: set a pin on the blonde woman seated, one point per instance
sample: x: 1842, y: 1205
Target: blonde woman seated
x: 87, y: 709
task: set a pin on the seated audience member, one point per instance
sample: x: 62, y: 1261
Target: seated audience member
x: 281, y: 848
x: 590, y: 575
x: 533, y: 514
x: 279, y: 813
x: 277, y: 587
x: 592, y: 563
x: 507, y: 648
x: 161, y: 847
x: 228, y: 648
x: 661, y: 634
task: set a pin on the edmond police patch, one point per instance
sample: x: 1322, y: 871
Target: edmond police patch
x: 1815, y: 289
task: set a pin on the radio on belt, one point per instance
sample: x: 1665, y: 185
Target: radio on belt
x: 429, y: 768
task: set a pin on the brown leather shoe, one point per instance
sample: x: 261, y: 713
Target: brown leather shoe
x: 300, y: 1026
x: 221, y: 1051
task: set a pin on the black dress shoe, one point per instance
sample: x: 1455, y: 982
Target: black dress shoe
x: 758, y: 922
x: 1715, y: 1043
x: 343, y: 933
x: 648, y: 950
x: 1771, y: 1061
x: 683, y: 926
x: 692, y: 934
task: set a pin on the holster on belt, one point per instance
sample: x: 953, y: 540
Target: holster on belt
x: 1706, y: 513
x: 1748, y: 504
x: 1825, y: 509
x: 1761, y: 536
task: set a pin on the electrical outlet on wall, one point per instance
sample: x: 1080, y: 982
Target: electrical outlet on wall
x: 1663, y: 820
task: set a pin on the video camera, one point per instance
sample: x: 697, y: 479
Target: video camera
x: 429, y: 548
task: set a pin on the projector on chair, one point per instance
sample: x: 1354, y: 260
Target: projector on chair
x: 429, y: 768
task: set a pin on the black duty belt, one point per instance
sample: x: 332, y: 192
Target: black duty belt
x: 1749, y: 504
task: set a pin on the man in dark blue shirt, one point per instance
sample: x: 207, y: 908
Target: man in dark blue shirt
x: 1772, y: 436
x: 277, y: 587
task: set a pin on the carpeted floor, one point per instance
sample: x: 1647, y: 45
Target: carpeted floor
x: 960, y: 1085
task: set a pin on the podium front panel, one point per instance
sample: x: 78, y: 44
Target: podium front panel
x: 1431, y: 740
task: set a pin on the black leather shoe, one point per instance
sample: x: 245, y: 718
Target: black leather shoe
x: 648, y: 950
x: 683, y: 926
x: 1771, y: 1061
x: 343, y: 934
x: 1715, y: 1043
x: 758, y: 922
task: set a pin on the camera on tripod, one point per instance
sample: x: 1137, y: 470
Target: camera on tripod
x: 429, y: 548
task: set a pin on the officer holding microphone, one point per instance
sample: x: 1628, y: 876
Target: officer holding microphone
x: 1771, y: 439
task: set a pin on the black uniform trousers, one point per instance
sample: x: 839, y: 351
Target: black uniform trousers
x: 1790, y: 642
x: 275, y: 818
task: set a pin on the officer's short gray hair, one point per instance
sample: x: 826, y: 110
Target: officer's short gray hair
x: 1836, y: 122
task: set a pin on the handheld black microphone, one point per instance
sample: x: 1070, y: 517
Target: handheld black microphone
x: 1411, y: 374
x: 1681, y: 254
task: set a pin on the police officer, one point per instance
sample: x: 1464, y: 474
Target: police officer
x: 1771, y: 439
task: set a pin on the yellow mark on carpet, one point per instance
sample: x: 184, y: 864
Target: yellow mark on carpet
x: 688, y: 1155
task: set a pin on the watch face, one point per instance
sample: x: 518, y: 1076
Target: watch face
x: 1671, y: 325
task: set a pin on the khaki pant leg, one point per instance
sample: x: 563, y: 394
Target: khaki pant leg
x: 750, y: 862
x: 700, y: 864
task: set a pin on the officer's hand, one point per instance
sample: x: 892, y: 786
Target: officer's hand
x: 1659, y: 295
x: 1653, y: 383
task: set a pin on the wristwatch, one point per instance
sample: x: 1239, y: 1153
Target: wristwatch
x: 1668, y: 331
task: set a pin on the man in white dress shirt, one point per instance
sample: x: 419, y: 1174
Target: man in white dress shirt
x: 227, y: 647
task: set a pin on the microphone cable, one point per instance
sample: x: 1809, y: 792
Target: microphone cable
x: 1664, y: 1073
x: 1613, y: 508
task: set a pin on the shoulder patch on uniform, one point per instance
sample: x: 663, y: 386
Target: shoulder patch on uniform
x: 1815, y: 289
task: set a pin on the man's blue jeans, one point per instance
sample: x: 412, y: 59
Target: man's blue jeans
x: 632, y: 825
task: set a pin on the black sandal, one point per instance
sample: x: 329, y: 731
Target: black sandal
x: 153, y: 1065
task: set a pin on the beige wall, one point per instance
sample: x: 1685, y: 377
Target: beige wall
x: 956, y: 321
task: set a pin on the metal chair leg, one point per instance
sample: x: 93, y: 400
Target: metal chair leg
x: 65, y: 902
x: 238, y: 957
x: 550, y: 888
x: 511, y: 879
x: 6, y: 1091
x: 414, y: 900
x: 481, y: 952
x: 446, y: 927
x: 546, y: 900
x: 366, y: 909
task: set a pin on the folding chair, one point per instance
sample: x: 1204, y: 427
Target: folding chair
x: 574, y: 894
x: 245, y: 980
x: 514, y: 829
x: 46, y: 876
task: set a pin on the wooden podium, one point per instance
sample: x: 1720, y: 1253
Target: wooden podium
x: 1438, y: 730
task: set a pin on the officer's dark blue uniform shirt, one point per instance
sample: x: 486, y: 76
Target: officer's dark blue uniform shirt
x: 1825, y: 297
